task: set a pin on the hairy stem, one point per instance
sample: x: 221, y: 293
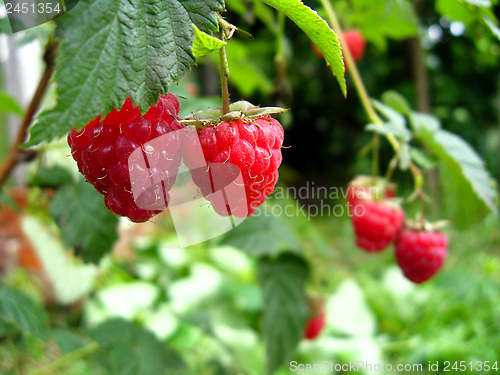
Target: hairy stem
x: 224, y: 73
x: 13, y: 157
x: 353, y: 69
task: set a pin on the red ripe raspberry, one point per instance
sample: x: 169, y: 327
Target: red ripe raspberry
x: 420, y: 253
x: 102, y: 149
x: 314, y: 326
x: 356, y: 44
x: 252, y: 147
x: 376, y: 222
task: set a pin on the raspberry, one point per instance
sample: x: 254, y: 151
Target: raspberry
x: 252, y: 146
x: 356, y: 44
x: 314, y: 326
x: 420, y: 253
x: 376, y: 222
x: 369, y: 187
x: 103, y: 147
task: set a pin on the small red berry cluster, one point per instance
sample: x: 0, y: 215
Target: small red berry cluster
x: 103, y: 150
x: 378, y: 221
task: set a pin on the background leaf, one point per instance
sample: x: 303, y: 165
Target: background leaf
x: 113, y: 49
x: 262, y: 235
x: 380, y: 20
x: 389, y: 128
x: 318, y: 31
x: 285, y: 309
x: 9, y: 104
x: 468, y: 192
x: 52, y: 177
x: 131, y: 350
x: 85, y: 222
x: 5, y: 26
x: 18, y: 309
x: 390, y: 114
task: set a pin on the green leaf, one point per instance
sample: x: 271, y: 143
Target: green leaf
x: 422, y: 121
x: 6, y: 200
x: 379, y: 20
x: 18, y: 309
x: 390, y: 114
x: 396, y: 101
x: 5, y: 27
x: 70, y: 281
x: 262, y: 234
x: 389, y: 128
x: 131, y: 350
x: 317, y: 29
x: 285, y: 308
x: 112, y: 49
x: 405, y: 156
x: 468, y: 192
x: 492, y: 26
x: 479, y: 3
x: 204, y: 44
x: 8, y: 104
x: 68, y: 341
x: 455, y: 10
x: 52, y: 177
x: 423, y: 160
x: 85, y: 222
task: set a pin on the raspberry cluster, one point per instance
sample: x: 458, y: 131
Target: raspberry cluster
x: 102, y: 149
x: 133, y: 160
x: 420, y: 249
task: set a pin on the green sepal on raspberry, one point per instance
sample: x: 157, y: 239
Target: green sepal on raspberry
x: 102, y: 148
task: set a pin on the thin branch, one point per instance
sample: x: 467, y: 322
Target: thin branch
x: 14, y: 154
x: 363, y: 94
x: 356, y: 77
x: 224, y: 73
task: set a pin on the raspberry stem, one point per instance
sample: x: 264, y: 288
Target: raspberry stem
x: 224, y: 69
x: 224, y: 73
x: 353, y: 70
x: 360, y: 87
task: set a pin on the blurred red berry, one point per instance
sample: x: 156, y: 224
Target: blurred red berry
x: 420, y: 253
